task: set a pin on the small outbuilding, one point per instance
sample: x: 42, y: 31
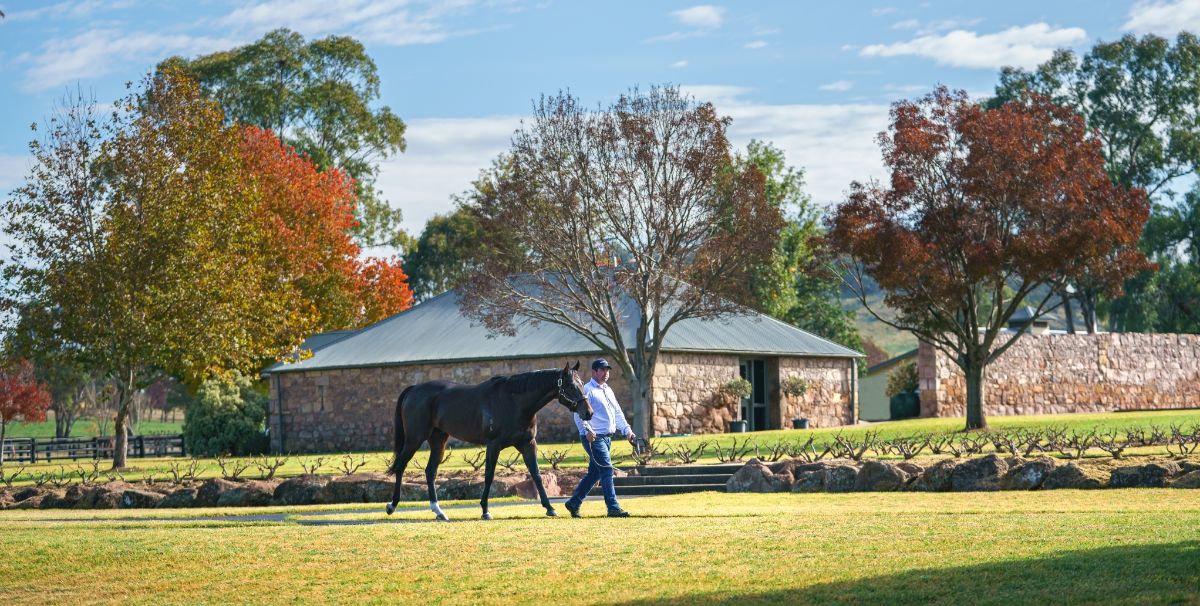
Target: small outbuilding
x: 342, y: 397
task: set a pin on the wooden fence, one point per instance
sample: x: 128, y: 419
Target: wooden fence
x: 33, y: 450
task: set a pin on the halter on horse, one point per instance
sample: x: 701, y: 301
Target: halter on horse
x: 498, y: 413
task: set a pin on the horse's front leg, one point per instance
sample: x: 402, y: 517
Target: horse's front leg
x: 489, y: 471
x: 529, y: 453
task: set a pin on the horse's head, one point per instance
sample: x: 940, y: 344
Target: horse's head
x: 570, y: 392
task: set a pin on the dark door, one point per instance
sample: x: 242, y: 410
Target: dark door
x: 754, y: 408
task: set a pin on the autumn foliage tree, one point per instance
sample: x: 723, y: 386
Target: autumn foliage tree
x: 618, y: 223
x: 983, y: 208
x: 21, y: 397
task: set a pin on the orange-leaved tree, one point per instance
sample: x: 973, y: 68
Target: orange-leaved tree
x: 21, y: 397
x: 308, y: 215
x: 983, y: 208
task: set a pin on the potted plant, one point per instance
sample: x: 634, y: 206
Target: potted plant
x: 794, y: 386
x: 733, y: 391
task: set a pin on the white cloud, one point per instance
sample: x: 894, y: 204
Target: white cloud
x: 12, y: 172
x: 704, y: 16
x: 1165, y: 18
x: 906, y: 24
x: 887, y: 10
x: 717, y: 94
x: 840, y: 85
x: 1025, y: 46
x: 98, y: 52
x: 755, y: 45
x: 444, y: 156
x: 679, y: 64
x: 390, y: 22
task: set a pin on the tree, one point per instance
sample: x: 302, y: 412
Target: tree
x: 138, y: 230
x: 55, y: 364
x: 983, y: 207
x: 317, y: 97
x: 226, y: 417
x: 796, y: 284
x: 21, y: 397
x: 439, y: 261
x: 1142, y: 98
x: 618, y: 224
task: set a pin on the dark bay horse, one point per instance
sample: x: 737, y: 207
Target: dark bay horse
x: 498, y: 413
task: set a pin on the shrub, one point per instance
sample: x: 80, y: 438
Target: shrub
x: 903, y: 379
x: 226, y: 417
x: 794, y: 386
x: 737, y: 388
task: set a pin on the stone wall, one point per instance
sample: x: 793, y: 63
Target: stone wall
x: 1054, y: 374
x: 830, y: 400
x: 353, y: 409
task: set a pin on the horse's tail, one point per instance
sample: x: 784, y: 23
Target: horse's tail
x: 399, y: 429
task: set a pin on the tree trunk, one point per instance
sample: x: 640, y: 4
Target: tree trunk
x: 3, y: 426
x: 973, y: 370
x: 1066, y: 300
x: 643, y: 413
x: 120, y: 437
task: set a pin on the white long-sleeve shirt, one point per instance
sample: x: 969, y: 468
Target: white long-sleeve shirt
x: 607, y: 416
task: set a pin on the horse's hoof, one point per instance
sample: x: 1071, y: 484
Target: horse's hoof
x: 550, y: 513
x: 486, y: 516
x: 391, y: 508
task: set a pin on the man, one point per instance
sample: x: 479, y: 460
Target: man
x: 596, y: 436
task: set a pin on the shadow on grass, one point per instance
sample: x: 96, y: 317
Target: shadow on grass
x: 1140, y: 574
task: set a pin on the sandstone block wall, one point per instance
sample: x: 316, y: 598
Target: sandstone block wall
x: 353, y: 409
x: 1054, y: 374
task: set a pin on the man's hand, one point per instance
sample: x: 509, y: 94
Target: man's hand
x: 591, y: 436
x: 632, y: 437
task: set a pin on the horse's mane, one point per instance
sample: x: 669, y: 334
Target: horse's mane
x: 519, y: 383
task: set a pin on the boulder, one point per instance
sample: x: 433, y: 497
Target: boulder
x: 210, y: 491
x: 29, y: 491
x: 1074, y: 476
x: 880, y: 476
x: 64, y: 499
x: 247, y: 494
x: 356, y: 488
x: 300, y: 490
x: 755, y: 476
x: 182, y: 497
x: 912, y: 469
x: 104, y: 496
x: 979, y: 474
x: 1028, y: 475
x: 936, y: 478
x: 6, y: 499
x: 1186, y: 467
x: 1150, y: 475
x: 135, y: 498
x: 1187, y: 480
x: 834, y: 475
x: 32, y: 502
x: 527, y: 490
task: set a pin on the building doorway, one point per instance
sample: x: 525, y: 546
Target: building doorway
x: 754, y: 407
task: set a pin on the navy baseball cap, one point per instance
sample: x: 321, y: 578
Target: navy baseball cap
x: 599, y: 363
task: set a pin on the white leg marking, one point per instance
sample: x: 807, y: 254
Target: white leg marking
x: 441, y: 515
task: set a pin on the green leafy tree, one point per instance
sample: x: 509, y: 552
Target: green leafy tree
x: 1141, y: 97
x: 138, y: 229
x: 227, y: 416
x: 441, y: 259
x: 317, y: 97
x: 56, y: 364
x: 796, y: 285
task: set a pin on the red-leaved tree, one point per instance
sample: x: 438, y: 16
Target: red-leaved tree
x: 309, y: 214
x: 21, y: 397
x: 984, y: 207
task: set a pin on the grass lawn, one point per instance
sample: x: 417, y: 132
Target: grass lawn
x: 159, y: 468
x: 87, y: 428
x: 1060, y: 547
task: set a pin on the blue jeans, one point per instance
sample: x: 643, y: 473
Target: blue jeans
x: 599, y: 468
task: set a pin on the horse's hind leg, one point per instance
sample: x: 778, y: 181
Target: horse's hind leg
x: 402, y: 460
x: 437, y: 446
x: 529, y: 453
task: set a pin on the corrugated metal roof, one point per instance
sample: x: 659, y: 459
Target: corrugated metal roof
x: 437, y: 331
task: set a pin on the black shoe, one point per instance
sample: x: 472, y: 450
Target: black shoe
x: 573, y: 509
x: 618, y: 513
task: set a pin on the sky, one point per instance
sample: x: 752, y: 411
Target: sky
x: 815, y: 78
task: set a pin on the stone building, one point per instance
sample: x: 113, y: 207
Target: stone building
x: 342, y: 398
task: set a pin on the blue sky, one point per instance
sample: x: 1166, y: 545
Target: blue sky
x: 815, y: 78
